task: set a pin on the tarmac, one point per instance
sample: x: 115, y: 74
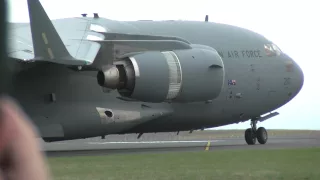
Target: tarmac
x: 170, y: 142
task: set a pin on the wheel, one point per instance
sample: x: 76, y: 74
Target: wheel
x: 250, y: 137
x: 262, y: 135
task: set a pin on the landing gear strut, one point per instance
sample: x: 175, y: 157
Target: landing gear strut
x: 253, y: 134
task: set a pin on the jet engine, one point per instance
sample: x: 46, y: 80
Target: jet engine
x: 190, y: 75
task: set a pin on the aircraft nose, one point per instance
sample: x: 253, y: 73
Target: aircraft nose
x: 298, y: 76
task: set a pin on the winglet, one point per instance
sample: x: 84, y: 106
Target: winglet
x: 47, y: 43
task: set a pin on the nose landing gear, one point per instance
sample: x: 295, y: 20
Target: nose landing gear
x: 253, y: 134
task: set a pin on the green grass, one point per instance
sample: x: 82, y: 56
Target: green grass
x: 228, y: 164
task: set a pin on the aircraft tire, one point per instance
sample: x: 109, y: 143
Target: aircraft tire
x: 262, y: 135
x: 250, y: 137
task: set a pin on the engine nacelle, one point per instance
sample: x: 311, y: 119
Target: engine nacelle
x: 179, y: 76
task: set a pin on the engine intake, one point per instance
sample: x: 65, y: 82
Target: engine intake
x: 181, y: 76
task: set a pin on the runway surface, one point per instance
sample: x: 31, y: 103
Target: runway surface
x: 129, y: 144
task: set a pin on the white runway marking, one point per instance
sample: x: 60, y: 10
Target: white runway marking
x: 153, y: 142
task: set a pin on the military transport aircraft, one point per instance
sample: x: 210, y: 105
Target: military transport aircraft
x: 90, y: 76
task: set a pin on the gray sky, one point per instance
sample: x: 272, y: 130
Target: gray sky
x: 293, y: 25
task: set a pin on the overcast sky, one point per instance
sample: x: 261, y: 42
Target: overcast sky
x: 293, y: 25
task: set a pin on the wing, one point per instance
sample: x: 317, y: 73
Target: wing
x: 39, y: 40
x: 77, y: 44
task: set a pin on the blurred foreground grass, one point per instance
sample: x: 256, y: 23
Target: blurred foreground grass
x: 228, y: 164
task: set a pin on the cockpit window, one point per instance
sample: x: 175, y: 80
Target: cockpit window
x: 272, y: 50
x: 97, y: 28
x: 277, y: 49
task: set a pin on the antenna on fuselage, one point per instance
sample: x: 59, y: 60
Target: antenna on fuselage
x: 95, y: 15
x: 207, y: 18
